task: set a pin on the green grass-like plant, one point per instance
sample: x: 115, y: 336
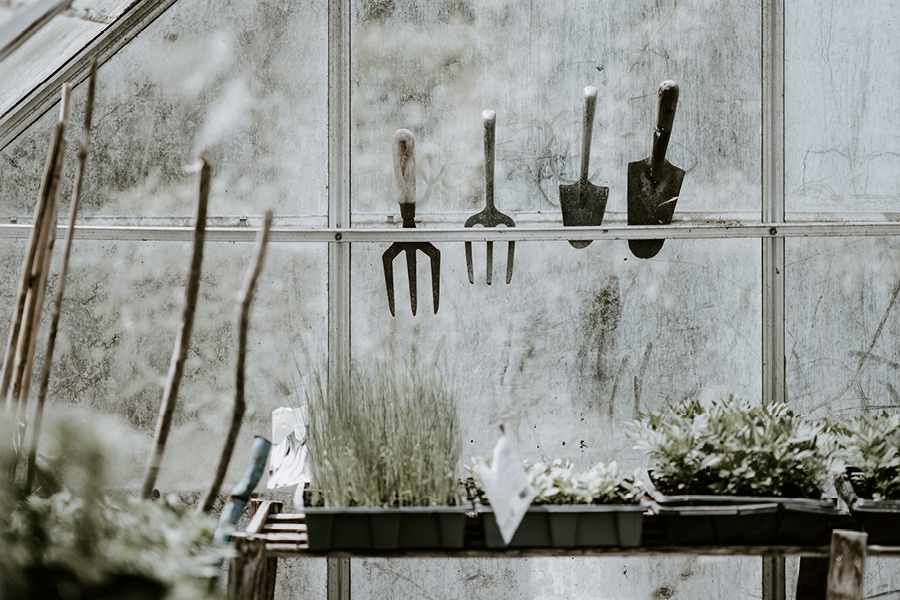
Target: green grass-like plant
x: 734, y: 448
x: 384, y: 437
x: 871, y: 443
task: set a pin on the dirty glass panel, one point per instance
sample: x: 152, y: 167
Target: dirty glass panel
x: 121, y: 315
x: 432, y: 67
x: 201, y: 76
x: 843, y: 335
x: 842, y: 81
x: 571, y: 349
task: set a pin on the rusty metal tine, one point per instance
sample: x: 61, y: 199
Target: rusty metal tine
x: 435, y: 255
x: 489, y: 268
x: 509, y: 261
x: 411, y: 273
x: 387, y: 260
x: 469, y: 267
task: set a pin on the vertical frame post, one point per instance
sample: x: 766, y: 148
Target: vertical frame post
x: 338, y: 569
x: 773, y: 307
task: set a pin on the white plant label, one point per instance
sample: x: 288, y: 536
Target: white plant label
x: 506, y: 487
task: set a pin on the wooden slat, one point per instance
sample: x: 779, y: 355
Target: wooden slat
x: 293, y: 538
x: 295, y: 527
x: 266, y: 508
x: 288, y: 517
x: 847, y: 565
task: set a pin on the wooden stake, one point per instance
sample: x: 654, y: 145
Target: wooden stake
x: 61, y: 282
x: 41, y: 213
x: 182, y: 343
x: 243, y: 325
x: 847, y: 565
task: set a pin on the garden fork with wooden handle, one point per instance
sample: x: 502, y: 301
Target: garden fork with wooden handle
x: 490, y: 216
x: 405, y: 173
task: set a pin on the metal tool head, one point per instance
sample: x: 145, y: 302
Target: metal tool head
x: 490, y: 216
x: 582, y: 202
x: 405, y: 174
x: 653, y: 183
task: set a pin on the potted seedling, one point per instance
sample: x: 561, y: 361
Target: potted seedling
x: 384, y: 448
x: 737, y: 473
x: 869, y: 448
x: 598, y: 507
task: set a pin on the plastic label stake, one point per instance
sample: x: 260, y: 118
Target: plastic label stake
x: 506, y: 487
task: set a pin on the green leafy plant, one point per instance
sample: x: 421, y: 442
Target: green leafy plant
x: 72, y: 539
x: 734, y: 448
x: 871, y: 443
x: 384, y: 437
x: 558, y: 482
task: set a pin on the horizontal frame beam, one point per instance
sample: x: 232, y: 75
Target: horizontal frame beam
x: 477, y: 234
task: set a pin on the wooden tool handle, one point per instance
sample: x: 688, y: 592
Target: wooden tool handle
x: 405, y: 165
x: 590, y: 106
x: 665, y: 116
x: 489, y: 118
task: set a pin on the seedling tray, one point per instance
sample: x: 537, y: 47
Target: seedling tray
x: 385, y: 528
x: 879, y: 518
x: 700, y: 520
x: 570, y: 526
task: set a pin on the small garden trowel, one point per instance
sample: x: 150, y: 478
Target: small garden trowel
x: 653, y: 183
x: 584, y: 203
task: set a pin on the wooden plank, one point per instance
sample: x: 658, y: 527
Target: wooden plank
x: 247, y: 578
x: 263, y: 511
x: 338, y: 578
x: 847, y: 565
x: 272, y: 527
x: 298, y: 538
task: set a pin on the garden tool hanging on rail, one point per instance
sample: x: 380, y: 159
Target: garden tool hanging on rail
x: 582, y: 202
x: 490, y: 216
x: 405, y: 173
x: 653, y: 183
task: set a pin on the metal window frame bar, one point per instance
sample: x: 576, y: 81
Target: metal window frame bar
x: 339, y: 217
x: 773, y: 261
x: 343, y: 236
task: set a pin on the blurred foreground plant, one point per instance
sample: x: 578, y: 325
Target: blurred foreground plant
x: 71, y: 539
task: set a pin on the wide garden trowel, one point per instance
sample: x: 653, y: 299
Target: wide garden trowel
x: 654, y: 183
x: 582, y: 202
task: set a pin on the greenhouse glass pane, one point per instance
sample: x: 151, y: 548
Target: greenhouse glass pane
x: 842, y: 81
x: 563, y: 356
x: 200, y: 76
x: 433, y: 66
x: 120, y: 318
x: 843, y: 335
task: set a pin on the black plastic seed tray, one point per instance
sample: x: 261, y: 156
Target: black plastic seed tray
x: 879, y: 518
x: 571, y: 526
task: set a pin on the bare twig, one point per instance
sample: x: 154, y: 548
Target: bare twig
x: 182, y: 343
x: 243, y: 326
x: 36, y: 243
x: 61, y: 282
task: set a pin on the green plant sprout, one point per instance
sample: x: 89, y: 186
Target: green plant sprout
x: 559, y: 483
x: 734, y: 448
x: 871, y: 443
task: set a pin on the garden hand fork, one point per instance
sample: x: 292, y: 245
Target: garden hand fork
x: 490, y: 216
x: 405, y: 173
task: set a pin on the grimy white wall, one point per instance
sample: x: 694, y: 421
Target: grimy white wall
x: 580, y: 340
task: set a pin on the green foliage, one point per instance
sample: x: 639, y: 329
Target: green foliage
x: 559, y: 483
x: 734, y: 448
x: 384, y: 437
x: 71, y: 534
x: 872, y: 444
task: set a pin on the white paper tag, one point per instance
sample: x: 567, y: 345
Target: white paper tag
x: 506, y: 487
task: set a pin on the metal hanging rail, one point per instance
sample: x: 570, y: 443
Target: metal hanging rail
x: 462, y: 234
